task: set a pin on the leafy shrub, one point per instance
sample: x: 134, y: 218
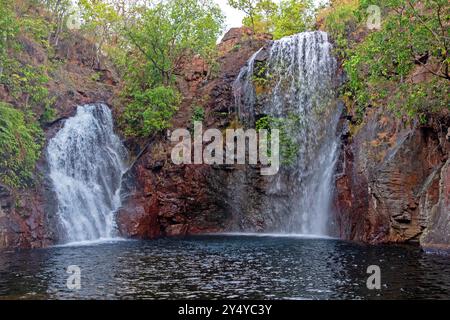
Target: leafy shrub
x: 20, y: 146
x: 151, y: 111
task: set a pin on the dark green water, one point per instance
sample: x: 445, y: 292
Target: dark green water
x: 225, y: 267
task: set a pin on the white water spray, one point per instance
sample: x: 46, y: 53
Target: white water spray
x: 301, y: 72
x: 87, y: 162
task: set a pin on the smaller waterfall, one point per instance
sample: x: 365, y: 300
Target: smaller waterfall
x: 87, y: 162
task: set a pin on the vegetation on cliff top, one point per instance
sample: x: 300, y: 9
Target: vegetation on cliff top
x: 21, y: 137
x: 149, y: 44
x: 403, y: 64
x: 279, y: 18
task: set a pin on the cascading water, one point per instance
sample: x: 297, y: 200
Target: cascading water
x: 87, y: 162
x: 300, y: 71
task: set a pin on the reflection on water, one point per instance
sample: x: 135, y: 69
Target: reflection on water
x: 223, y: 266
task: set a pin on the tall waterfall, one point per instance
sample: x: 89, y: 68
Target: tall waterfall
x: 301, y: 73
x: 87, y: 161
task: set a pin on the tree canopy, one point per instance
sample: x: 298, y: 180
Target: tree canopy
x: 280, y: 18
x: 412, y: 39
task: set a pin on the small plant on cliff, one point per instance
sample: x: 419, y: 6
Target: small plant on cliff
x: 289, y: 148
x: 198, y: 114
x: 261, y: 77
x: 20, y: 146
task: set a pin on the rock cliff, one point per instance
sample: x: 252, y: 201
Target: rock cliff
x: 393, y: 180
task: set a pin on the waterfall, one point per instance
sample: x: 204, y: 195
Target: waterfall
x: 87, y: 161
x: 243, y: 91
x: 301, y: 73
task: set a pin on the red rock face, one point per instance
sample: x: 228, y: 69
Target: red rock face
x: 24, y: 224
x: 163, y: 199
x: 436, y: 203
x: 394, y: 183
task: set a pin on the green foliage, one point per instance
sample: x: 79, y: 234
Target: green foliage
x: 8, y: 29
x: 60, y: 11
x: 261, y: 76
x: 151, y: 111
x: 280, y: 18
x: 171, y: 31
x: 198, y: 115
x: 249, y: 7
x: 100, y: 21
x: 24, y: 82
x: 341, y: 20
x: 154, y: 46
x: 20, y: 146
x: 413, y: 36
x: 96, y: 76
x: 48, y: 115
x: 293, y: 16
x: 289, y: 148
x: 38, y: 27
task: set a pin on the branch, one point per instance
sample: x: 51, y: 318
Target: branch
x: 423, y: 22
x: 144, y: 52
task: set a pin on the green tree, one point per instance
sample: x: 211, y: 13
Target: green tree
x: 262, y: 20
x: 283, y: 18
x: 101, y: 21
x: 171, y: 31
x: 293, y: 16
x: 60, y: 11
x: 413, y: 37
x: 249, y: 7
x: 154, y: 46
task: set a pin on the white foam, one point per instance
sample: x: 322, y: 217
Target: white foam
x: 274, y: 235
x: 88, y: 243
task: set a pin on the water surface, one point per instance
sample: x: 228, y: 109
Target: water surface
x: 225, y: 266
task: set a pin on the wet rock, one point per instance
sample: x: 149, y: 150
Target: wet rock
x: 394, y: 182
x: 437, y: 233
